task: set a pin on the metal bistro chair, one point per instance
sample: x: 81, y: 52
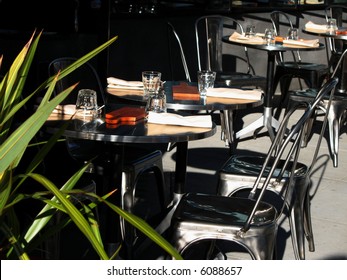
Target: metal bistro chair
x: 312, y: 73
x: 248, y: 221
x: 172, y: 31
x: 209, y: 31
x: 241, y: 170
x: 139, y: 160
x: 337, y: 112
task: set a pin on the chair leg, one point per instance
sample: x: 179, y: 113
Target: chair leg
x: 130, y: 176
x: 296, y: 222
x: 307, y: 131
x: 308, y: 222
x: 335, y: 116
x: 298, y: 216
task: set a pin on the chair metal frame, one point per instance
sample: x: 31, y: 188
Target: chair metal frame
x: 335, y: 115
x: 182, y: 54
x: 61, y: 62
x: 249, y: 222
x: 241, y: 170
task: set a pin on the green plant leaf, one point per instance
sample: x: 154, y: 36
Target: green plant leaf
x: 74, y: 214
x: 146, y: 229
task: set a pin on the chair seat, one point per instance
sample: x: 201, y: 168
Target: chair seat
x: 239, y: 174
x: 203, y: 218
x: 220, y: 210
x: 251, y: 165
x: 313, y: 73
x: 238, y: 79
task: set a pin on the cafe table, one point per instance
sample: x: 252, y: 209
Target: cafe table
x: 341, y: 34
x: 267, y: 120
x: 136, y: 133
x: 193, y: 102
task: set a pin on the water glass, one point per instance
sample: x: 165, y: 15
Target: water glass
x: 206, y: 80
x: 331, y: 26
x: 86, y: 103
x: 250, y: 31
x: 151, y: 82
x: 270, y: 36
x: 293, y: 34
x: 156, y: 103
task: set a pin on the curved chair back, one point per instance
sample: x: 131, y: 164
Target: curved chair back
x: 280, y: 146
x: 209, y: 31
x: 86, y: 75
x: 183, y: 57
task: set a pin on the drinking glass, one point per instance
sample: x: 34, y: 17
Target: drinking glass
x: 156, y: 103
x: 206, y: 80
x: 270, y: 36
x: 250, y: 31
x: 293, y: 34
x: 86, y: 104
x: 151, y: 82
x: 331, y: 26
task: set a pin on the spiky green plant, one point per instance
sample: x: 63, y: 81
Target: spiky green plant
x: 14, y: 142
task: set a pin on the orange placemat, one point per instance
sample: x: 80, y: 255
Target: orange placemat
x: 125, y: 115
x: 183, y: 91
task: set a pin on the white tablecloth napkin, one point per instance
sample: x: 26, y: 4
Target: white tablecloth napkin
x: 315, y: 27
x: 68, y: 109
x: 251, y: 94
x: 174, y: 119
x: 247, y: 40
x: 119, y: 83
x: 302, y: 42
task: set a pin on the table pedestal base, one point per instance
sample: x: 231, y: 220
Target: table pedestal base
x: 266, y: 120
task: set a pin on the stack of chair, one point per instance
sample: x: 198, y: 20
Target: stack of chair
x: 248, y: 220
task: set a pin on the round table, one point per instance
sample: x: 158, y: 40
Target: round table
x: 226, y: 105
x: 267, y: 120
x: 139, y: 132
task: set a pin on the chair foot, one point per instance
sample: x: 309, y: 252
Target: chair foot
x: 335, y: 160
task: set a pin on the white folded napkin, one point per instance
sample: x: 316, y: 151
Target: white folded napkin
x: 119, y: 83
x: 68, y: 109
x: 174, y: 119
x: 316, y: 27
x: 248, y: 40
x: 251, y: 94
x: 302, y: 42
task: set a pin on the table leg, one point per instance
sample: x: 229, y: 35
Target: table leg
x: 228, y: 129
x: 266, y: 120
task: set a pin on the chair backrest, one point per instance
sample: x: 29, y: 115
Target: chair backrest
x: 86, y: 75
x: 183, y: 57
x: 209, y: 31
x: 281, y: 22
x: 286, y: 145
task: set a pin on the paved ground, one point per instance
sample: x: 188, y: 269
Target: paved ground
x: 328, y: 193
